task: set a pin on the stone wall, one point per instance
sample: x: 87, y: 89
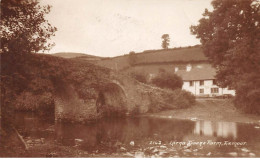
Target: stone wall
x: 121, y: 95
x: 69, y: 107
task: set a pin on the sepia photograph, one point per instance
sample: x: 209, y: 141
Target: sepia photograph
x: 130, y: 79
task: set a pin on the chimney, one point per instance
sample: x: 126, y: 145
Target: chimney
x: 176, y: 69
x: 188, y: 68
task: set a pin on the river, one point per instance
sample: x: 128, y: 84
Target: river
x: 146, y: 136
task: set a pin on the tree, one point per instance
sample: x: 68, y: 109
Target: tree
x: 230, y: 39
x: 165, y: 41
x: 24, y: 27
x: 132, y: 58
x: 24, y: 31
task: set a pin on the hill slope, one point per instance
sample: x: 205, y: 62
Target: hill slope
x: 74, y: 55
x: 177, y: 55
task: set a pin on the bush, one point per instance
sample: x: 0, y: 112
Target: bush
x: 181, y: 99
x: 132, y: 58
x: 41, y: 103
x: 167, y: 80
x: 141, y: 77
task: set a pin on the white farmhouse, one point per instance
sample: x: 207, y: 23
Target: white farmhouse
x: 200, y: 81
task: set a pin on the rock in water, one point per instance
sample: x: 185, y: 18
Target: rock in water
x: 252, y: 154
x: 78, y: 141
x: 122, y: 149
x: 42, y: 140
x: 132, y: 143
x: 164, y: 153
x: 187, y: 150
x: 128, y: 154
x: 163, y: 147
x: 245, y: 150
x: 155, y: 150
x: 139, y: 155
x: 29, y: 142
x: 233, y: 154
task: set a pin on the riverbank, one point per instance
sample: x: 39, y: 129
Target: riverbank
x: 134, y: 137
x: 211, y: 110
x: 148, y: 135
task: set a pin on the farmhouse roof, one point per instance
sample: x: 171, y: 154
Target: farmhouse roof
x: 202, y: 73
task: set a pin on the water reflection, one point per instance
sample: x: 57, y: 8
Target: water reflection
x: 216, y: 129
x: 110, y: 131
x: 106, y: 134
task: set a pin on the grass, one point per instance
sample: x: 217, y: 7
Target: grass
x: 151, y: 57
x: 212, y: 110
x: 73, y: 55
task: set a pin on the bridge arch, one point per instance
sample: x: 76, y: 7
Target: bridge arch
x: 111, y: 100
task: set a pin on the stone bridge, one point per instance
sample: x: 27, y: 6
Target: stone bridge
x: 121, y: 95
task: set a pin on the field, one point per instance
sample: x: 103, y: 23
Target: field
x: 158, y: 57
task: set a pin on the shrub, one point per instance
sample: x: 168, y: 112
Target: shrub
x: 132, y: 58
x: 141, y: 77
x: 167, y: 80
x: 42, y: 103
x: 181, y: 99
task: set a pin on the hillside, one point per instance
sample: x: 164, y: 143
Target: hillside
x: 75, y: 55
x: 176, y: 55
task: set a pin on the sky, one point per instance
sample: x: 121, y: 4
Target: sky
x: 115, y: 27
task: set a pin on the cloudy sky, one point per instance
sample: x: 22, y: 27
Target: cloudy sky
x: 116, y: 27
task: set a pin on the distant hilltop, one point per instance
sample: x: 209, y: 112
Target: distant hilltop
x: 75, y: 55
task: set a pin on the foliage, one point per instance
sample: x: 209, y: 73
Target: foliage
x: 165, y: 41
x: 248, y: 94
x: 230, y: 38
x: 28, y: 101
x: 132, y: 58
x: 167, y: 80
x: 139, y: 76
x: 183, y: 99
x: 24, y: 28
x: 45, y: 76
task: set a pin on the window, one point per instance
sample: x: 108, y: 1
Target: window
x: 214, y: 90
x: 201, y: 82
x: 201, y: 90
x: 214, y: 82
x: 191, y: 83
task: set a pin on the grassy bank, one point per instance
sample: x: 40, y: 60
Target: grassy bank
x: 212, y: 110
